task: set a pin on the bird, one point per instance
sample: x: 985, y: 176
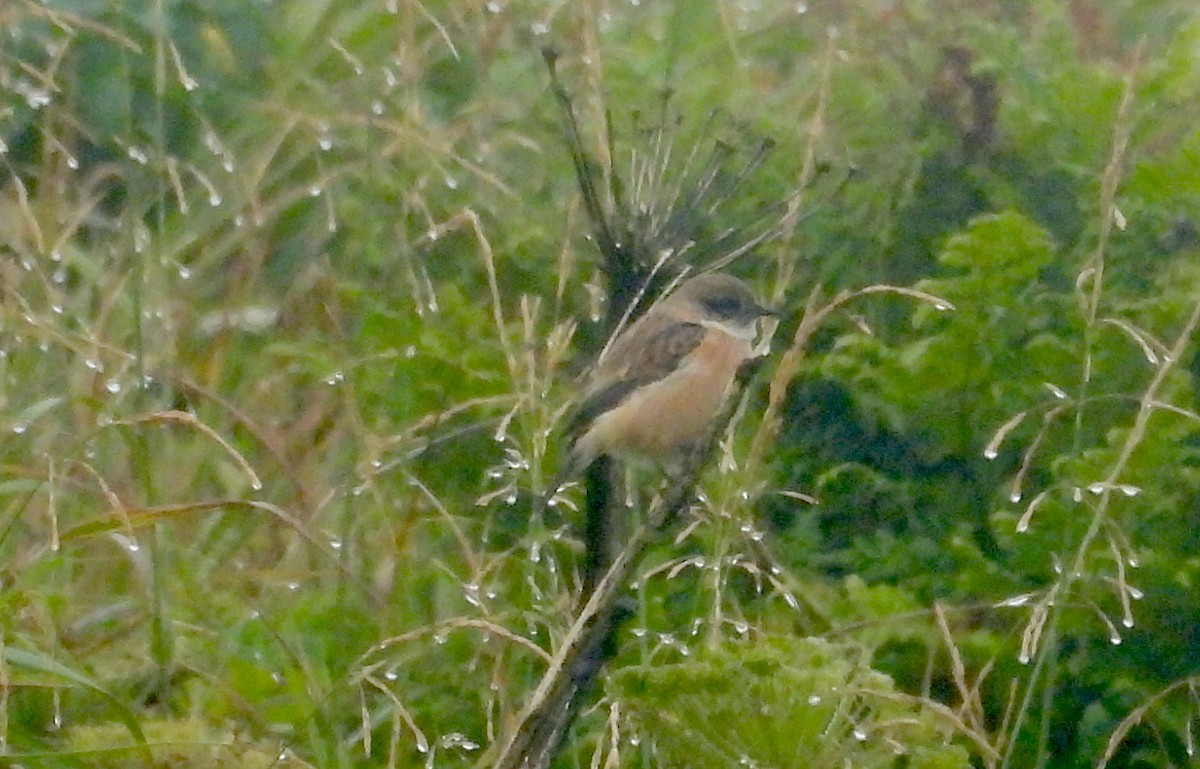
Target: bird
x: 657, y: 388
x: 660, y: 383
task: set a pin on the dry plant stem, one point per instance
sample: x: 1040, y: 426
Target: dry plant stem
x: 815, y: 313
x: 1048, y: 611
x: 1146, y: 408
x: 971, y: 719
x: 1093, y: 270
x: 816, y: 130
x: 1050, y: 608
x: 543, y: 721
x: 1138, y: 713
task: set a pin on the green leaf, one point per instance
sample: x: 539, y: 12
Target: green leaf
x: 40, y: 663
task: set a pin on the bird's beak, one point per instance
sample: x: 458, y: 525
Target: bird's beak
x: 767, y: 311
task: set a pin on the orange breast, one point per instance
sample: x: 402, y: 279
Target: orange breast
x: 677, y: 411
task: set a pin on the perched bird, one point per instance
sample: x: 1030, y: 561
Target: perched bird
x: 658, y: 387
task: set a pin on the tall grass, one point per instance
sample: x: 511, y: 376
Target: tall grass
x: 292, y: 303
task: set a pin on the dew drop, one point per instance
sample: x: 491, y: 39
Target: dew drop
x: 36, y: 98
x: 1055, y: 390
x: 113, y: 386
x: 459, y: 741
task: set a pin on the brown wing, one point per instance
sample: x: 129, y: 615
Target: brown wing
x: 647, y: 354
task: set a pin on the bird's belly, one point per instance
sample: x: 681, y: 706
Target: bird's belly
x: 676, y: 412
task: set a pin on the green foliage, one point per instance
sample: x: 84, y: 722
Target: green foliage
x: 178, y: 744
x: 291, y: 296
x: 781, y: 702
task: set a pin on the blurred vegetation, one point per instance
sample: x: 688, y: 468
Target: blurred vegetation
x: 290, y: 297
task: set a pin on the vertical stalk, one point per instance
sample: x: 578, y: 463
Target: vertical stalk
x: 161, y: 640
